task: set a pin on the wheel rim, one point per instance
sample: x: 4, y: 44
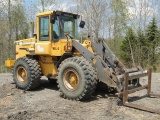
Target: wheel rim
x: 71, y: 79
x: 21, y: 74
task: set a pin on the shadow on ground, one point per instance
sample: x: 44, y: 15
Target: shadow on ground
x: 102, y: 90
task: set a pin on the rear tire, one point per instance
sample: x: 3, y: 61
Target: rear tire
x: 77, y: 78
x: 26, y: 73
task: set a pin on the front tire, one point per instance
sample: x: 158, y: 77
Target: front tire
x: 77, y: 78
x: 26, y: 73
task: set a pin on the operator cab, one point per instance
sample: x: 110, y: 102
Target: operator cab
x: 55, y: 25
x: 64, y: 23
x: 52, y: 28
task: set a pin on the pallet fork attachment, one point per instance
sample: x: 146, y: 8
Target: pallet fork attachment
x: 126, y: 92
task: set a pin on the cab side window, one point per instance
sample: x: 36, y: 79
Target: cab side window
x: 44, y: 28
x: 56, y: 31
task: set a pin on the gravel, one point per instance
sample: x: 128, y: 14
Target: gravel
x: 45, y: 103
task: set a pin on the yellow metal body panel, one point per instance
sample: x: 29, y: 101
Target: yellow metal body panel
x: 47, y: 65
x: 22, y: 45
x: 87, y: 44
x: 43, y: 48
x: 44, y: 13
x: 58, y: 48
x: 9, y: 63
x: 52, y: 48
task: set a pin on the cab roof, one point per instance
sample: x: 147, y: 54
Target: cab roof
x: 55, y: 12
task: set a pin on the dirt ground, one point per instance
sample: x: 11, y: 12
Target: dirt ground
x: 45, y: 103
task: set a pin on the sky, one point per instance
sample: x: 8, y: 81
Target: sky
x: 62, y: 4
x: 67, y: 5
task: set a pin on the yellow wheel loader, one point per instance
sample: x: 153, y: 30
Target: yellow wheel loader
x: 55, y: 52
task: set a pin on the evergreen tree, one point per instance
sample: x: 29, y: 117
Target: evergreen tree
x: 142, y: 51
x: 152, y: 35
x: 127, y: 47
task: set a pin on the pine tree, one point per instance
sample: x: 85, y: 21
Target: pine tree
x: 142, y: 51
x: 152, y: 35
x: 127, y: 47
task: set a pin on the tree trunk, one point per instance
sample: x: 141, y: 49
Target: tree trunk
x: 10, y: 28
x: 42, y: 2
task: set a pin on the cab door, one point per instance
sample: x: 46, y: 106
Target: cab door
x: 43, y: 45
x: 57, y: 45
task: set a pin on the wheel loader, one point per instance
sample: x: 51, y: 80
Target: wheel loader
x: 55, y: 52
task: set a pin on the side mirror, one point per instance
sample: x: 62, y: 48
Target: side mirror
x: 82, y: 24
x: 53, y: 19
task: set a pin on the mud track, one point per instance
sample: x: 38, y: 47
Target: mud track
x: 45, y: 103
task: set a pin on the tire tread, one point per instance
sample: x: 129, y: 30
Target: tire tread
x: 89, y: 75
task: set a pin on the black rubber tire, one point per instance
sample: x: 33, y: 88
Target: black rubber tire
x: 87, y: 81
x: 33, y: 71
x: 13, y: 75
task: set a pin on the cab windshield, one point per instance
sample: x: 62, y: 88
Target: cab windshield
x: 65, y: 24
